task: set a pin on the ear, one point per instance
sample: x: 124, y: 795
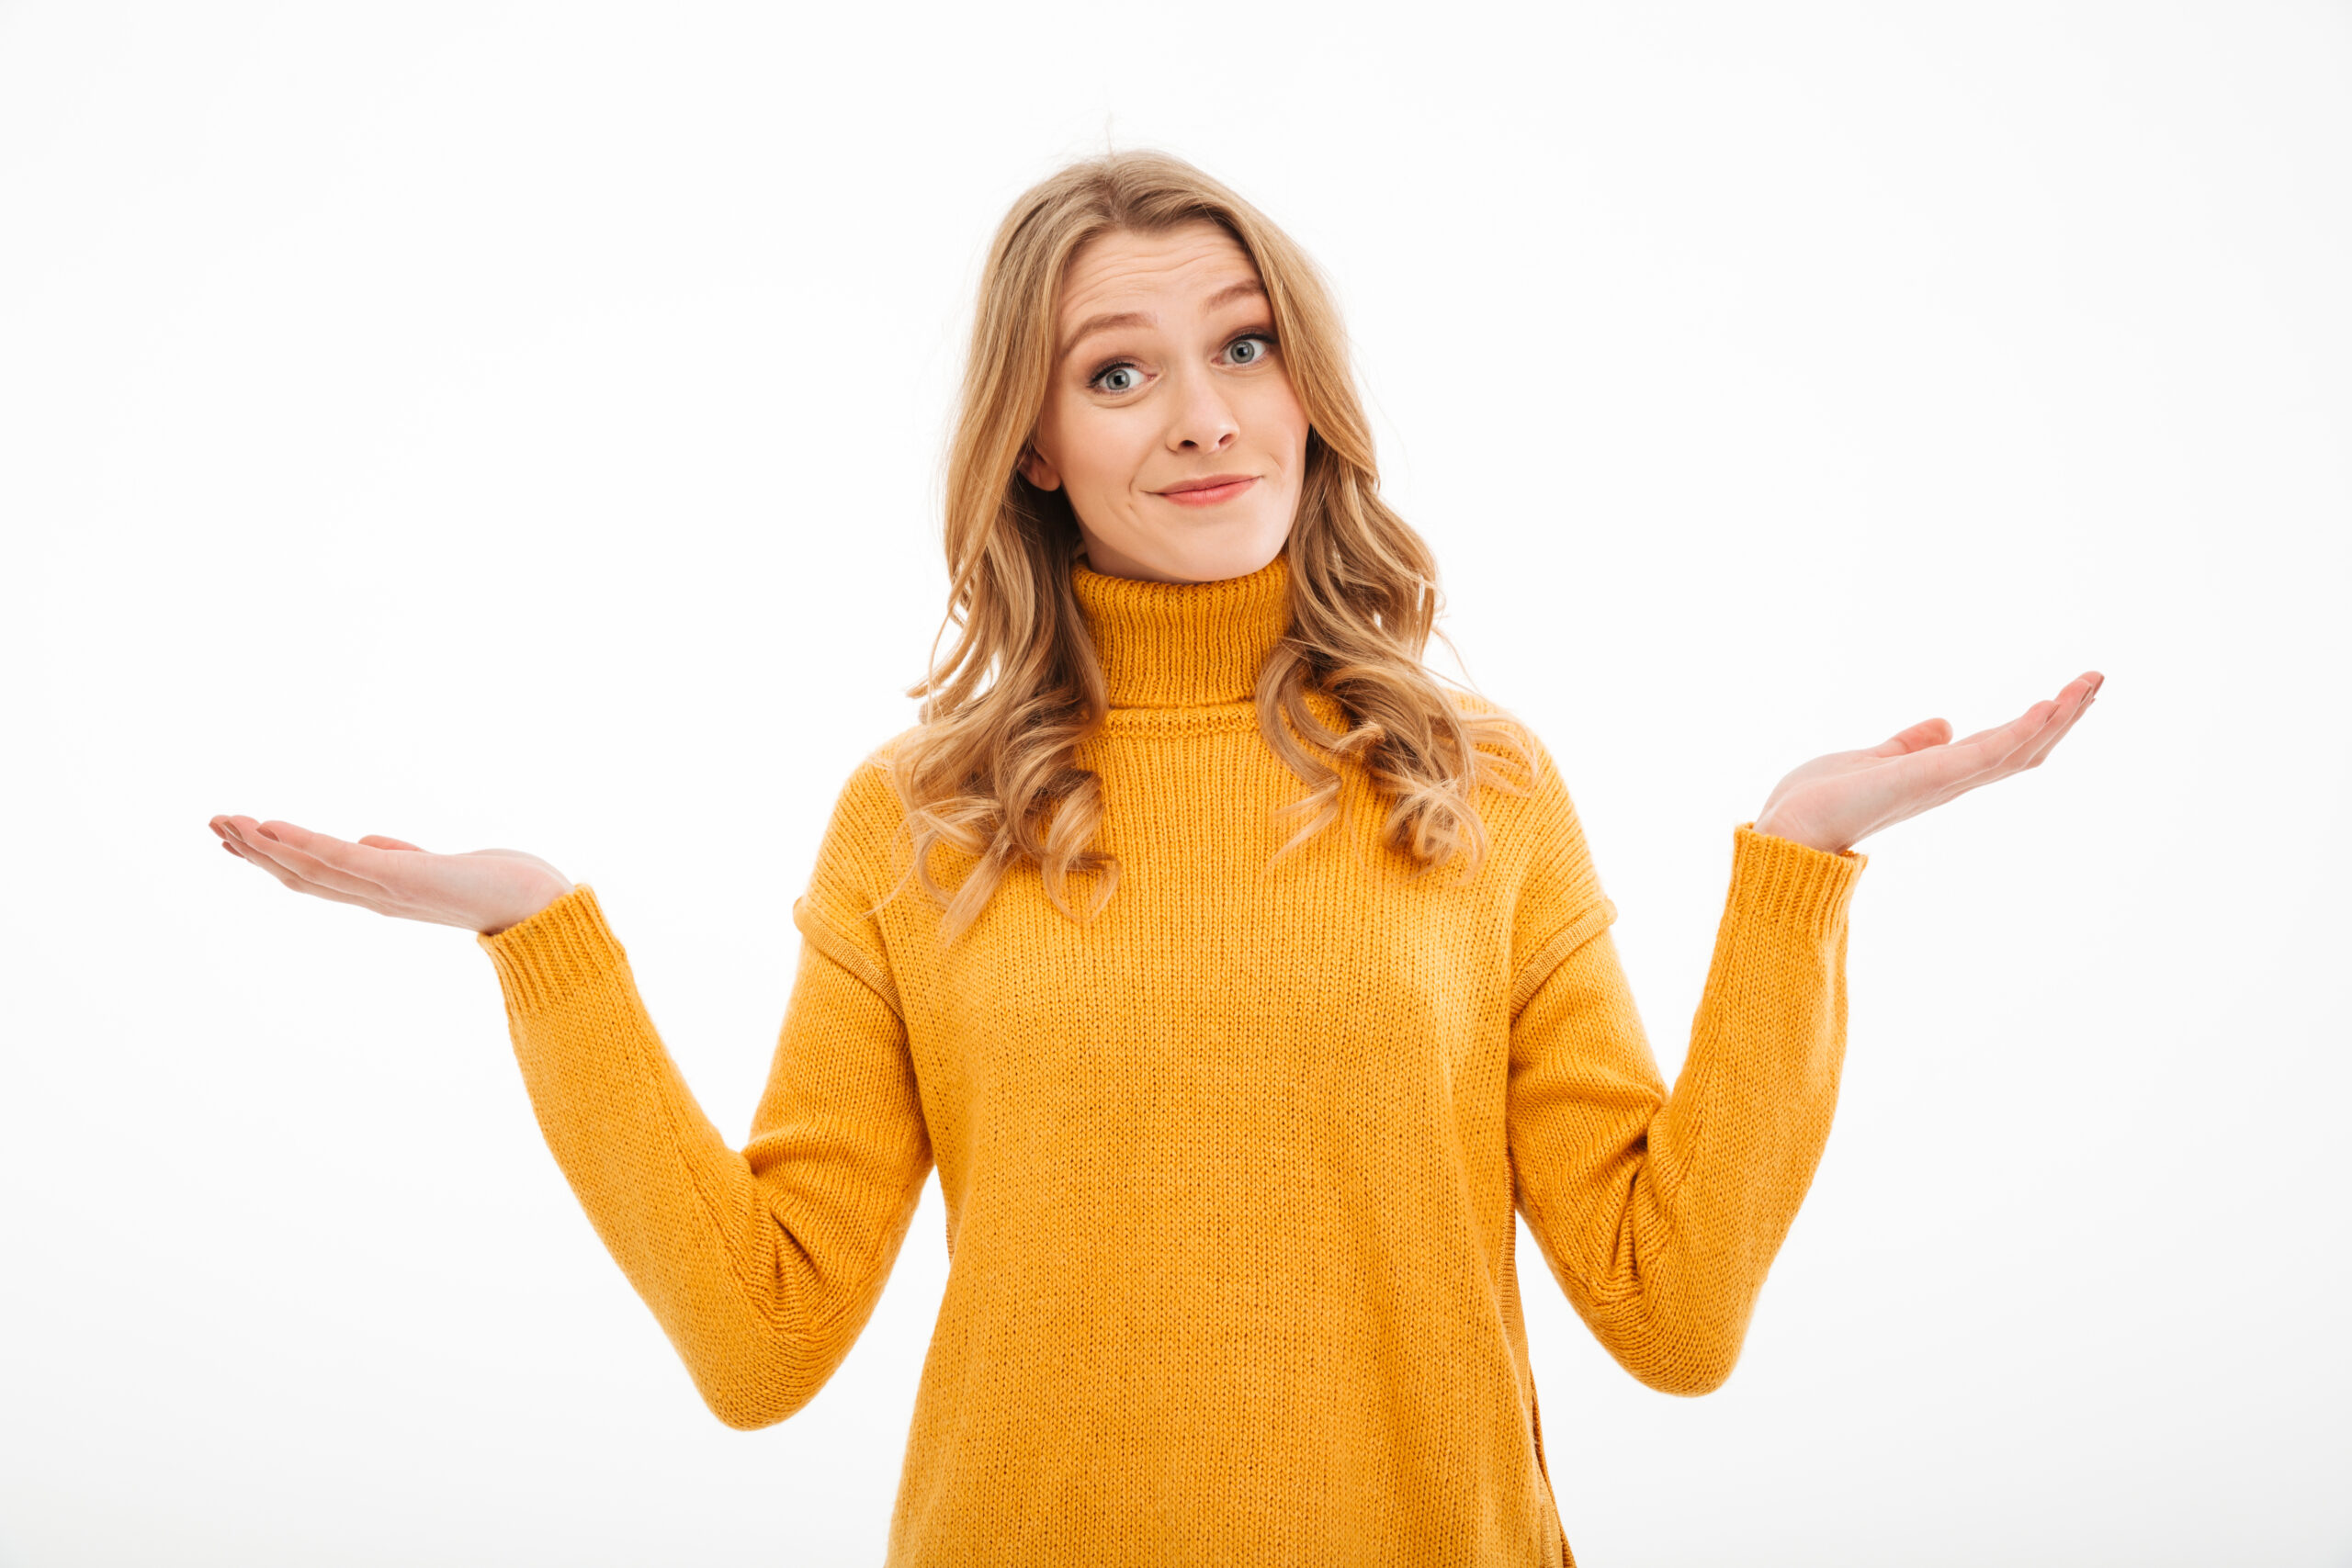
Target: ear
x: 1037, y: 471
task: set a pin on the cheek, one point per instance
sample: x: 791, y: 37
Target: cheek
x: 1103, y: 449
x: 1280, y: 415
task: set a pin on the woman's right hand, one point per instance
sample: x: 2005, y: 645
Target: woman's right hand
x: 481, y: 890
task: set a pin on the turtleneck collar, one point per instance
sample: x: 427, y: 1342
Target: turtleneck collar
x: 1166, y: 645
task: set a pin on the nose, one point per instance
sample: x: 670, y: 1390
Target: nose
x: 1201, y: 420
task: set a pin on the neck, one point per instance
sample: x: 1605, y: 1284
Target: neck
x: 1183, y: 644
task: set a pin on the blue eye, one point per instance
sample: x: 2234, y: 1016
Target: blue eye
x: 1117, y: 378
x: 1250, y: 349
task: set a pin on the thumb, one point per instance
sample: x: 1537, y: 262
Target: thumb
x: 1927, y: 732
x: 377, y: 841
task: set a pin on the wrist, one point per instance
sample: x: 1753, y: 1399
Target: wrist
x: 527, y: 908
x: 1773, y: 828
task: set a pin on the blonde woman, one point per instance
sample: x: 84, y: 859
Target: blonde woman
x: 1241, y: 982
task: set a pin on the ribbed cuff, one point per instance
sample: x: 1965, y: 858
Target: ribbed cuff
x: 1787, y: 884
x: 557, y: 952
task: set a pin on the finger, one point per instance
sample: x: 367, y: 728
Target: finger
x: 2011, y: 747
x: 245, y: 835
x: 253, y: 857
x: 1935, y: 774
x: 319, y: 861
x: 322, y: 858
x: 1925, y: 733
x: 1996, y: 740
x: 1942, y: 771
x: 243, y: 832
x: 2063, y: 710
x: 315, y: 891
x: 2041, y: 745
x: 2004, y: 742
x: 1947, y: 772
x: 378, y: 841
x: 2089, y: 681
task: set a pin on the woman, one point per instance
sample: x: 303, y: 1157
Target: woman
x: 1241, y: 982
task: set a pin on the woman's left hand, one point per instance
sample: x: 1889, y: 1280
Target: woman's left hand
x: 1835, y: 802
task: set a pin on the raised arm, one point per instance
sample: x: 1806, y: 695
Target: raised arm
x: 761, y: 1265
x: 764, y: 1264
x: 1659, y: 1214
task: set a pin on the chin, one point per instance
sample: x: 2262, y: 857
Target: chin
x: 1207, y: 551
x: 1233, y: 550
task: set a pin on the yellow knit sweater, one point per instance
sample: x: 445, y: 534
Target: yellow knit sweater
x: 1230, y: 1173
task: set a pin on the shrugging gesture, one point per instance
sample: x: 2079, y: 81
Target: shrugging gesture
x: 1835, y: 802
x: 1233, y: 1168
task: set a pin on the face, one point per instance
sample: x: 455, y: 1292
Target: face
x: 1169, y: 417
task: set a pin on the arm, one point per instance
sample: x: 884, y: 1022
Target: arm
x: 761, y: 1265
x: 1659, y: 1214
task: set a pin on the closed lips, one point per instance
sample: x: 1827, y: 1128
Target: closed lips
x: 1214, y: 488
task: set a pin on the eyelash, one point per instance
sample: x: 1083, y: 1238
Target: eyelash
x: 1095, y: 380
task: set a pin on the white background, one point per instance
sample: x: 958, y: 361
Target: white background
x: 495, y: 424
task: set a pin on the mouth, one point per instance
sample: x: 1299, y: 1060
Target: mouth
x: 1207, y: 491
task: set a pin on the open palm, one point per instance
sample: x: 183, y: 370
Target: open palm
x: 1835, y: 802
x: 481, y: 890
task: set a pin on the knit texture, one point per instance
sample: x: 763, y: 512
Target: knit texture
x: 1230, y: 1172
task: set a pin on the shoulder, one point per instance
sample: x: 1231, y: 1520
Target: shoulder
x: 1503, y: 734
x: 866, y: 822
x: 870, y: 779
x: 1534, y: 831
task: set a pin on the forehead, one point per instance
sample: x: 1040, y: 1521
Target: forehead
x: 1127, y: 271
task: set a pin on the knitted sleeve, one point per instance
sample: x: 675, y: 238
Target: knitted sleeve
x: 1659, y: 1213
x: 761, y: 1265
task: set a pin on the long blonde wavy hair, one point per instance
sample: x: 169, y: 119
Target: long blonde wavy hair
x: 990, y: 767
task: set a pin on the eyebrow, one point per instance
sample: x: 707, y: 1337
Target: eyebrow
x: 1242, y: 289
